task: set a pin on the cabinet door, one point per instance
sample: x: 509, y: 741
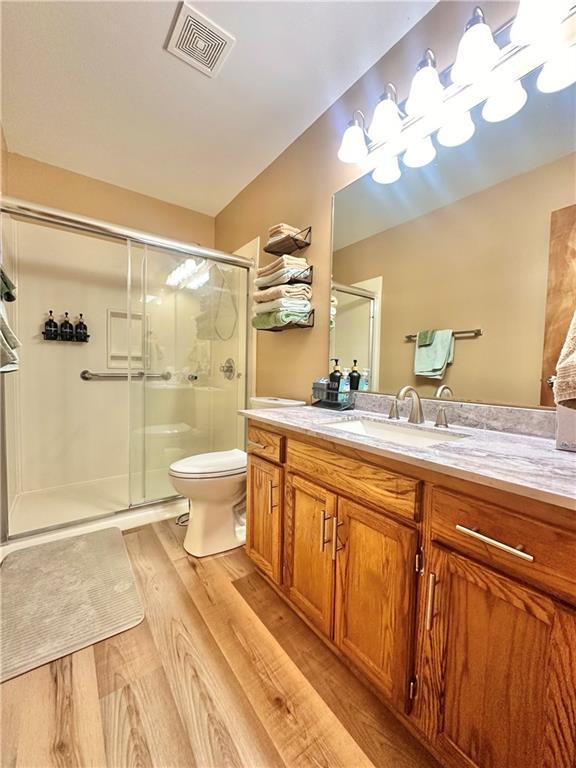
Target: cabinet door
x: 499, y: 681
x: 309, y: 571
x: 264, y: 516
x: 375, y: 595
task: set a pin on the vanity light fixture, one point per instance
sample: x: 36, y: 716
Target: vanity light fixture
x: 386, y: 122
x: 538, y: 20
x: 426, y: 91
x: 420, y: 153
x: 506, y: 100
x: 387, y: 171
x: 477, y: 51
x: 353, y: 148
x: 559, y: 72
x: 457, y: 129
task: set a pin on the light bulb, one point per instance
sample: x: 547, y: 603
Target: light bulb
x: 477, y: 51
x: 559, y: 72
x: 353, y: 148
x: 387, y: 171
x: 538, y: 20
x: 456, y: 129
x: 420, y: 153
x: 426, y: 91
x: 508, y: 99
x: 386, y: 122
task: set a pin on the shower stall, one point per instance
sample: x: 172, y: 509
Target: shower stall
x: 91, y: 427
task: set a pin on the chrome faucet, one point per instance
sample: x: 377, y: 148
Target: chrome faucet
x: 416, y: 416
x: 442, y: 390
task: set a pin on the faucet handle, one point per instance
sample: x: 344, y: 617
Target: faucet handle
x: 441, y: 420
x: 393, y: 414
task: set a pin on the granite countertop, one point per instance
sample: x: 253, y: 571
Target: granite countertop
x: 527, y: 466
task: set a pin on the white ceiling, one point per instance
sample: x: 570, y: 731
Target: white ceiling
x: 89, y: 87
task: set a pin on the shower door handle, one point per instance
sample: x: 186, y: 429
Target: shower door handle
x: 192, y: 377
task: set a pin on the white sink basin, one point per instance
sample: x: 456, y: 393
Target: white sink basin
x: 396, y: 433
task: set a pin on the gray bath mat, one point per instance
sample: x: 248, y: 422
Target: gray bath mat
x: 62, y: 596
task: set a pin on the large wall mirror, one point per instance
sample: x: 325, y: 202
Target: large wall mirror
x: 477, y: 242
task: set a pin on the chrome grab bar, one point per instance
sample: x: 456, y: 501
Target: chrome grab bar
x: 516, y: 551
x: 87, y: 375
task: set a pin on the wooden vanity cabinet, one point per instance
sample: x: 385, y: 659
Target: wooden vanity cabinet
x: 499, y: 678
x: 264, y: 516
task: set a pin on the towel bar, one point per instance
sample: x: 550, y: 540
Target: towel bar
x: 472, y: 334
x: 87, y: 375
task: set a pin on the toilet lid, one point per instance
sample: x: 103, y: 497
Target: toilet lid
x: 214, y: 464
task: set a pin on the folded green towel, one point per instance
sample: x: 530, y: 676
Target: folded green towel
x: 425, y: 338
x: 7, y: 287
x: 431, y: 361
x: 267, y: 320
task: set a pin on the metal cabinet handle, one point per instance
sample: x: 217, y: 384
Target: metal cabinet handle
x: 323, y: 520
x: 516, y: 551
x: 335, y: 547
x: 254, y: 444
x: 270, y: 491
x: 430, y: 601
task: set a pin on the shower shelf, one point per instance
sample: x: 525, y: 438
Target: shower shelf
x: 308, y: 323
x: 290, y: 243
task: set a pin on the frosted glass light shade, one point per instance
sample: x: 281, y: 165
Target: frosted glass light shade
x: 507, y: 100
x: 477, y: 54
x: 426, y: 92
x: 537, y: 20
x: 386, y: 122
x: 456, y: 130
x: 387, y: 171
x: 420, y: 153
x: 353, y: 148
x: 559, y: 72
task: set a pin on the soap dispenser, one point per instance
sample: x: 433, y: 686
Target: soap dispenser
x: 81, y: 329
x: 50, y: 328
x: 66, y: 329
x: 354, y: 377
x: 334, y: 384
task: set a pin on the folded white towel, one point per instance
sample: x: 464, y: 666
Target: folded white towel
x: 281, y: 262
x: 294, y: 305
x: 279, y: 277
x: 295, y: 291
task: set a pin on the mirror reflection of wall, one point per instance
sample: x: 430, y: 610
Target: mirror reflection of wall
x: 464, y: 243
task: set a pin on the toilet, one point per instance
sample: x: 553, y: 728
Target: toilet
x: 215, y: 486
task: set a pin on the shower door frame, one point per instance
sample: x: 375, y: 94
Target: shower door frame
x: 22, y: 209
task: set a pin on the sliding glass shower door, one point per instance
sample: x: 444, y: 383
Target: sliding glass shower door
x: 187, y: 363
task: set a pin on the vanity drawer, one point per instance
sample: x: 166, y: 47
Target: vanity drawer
x: 264, y: 443
x: 537, y: 552
x: 359, y: 480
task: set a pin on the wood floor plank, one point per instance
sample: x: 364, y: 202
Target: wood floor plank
x: 219, y: 720
x: 51, y: 716
x: 304, y: 729
x: 384, y: 739
x: 142, y: 726
x: 122, y: 659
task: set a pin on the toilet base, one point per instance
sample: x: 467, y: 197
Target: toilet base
x: 212, y: 529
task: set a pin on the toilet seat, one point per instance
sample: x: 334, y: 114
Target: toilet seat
x: 210, y: 465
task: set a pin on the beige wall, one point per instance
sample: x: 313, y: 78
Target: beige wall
x: 55, y: 187
x: 298, y: 187
x: 480, y: 262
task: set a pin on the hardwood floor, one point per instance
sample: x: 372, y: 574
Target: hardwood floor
x: 220, y: 673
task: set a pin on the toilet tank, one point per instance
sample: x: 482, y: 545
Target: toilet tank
x: 274, y: 402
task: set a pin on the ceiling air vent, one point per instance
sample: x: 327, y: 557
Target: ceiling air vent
x: 199, y: 42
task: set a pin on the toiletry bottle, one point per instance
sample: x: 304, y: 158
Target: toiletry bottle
x: 364, y: 380
x: 81, y: 330
x: 66, y: 329
x: 334, y: 384
x: 50, y: 327
x: 344, y: 387
x: 354, y: 377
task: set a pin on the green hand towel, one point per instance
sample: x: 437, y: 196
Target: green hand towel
x: 431, y: 361
x: 267, y: 320
x: 7, y: 287
x: 425, y: 338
